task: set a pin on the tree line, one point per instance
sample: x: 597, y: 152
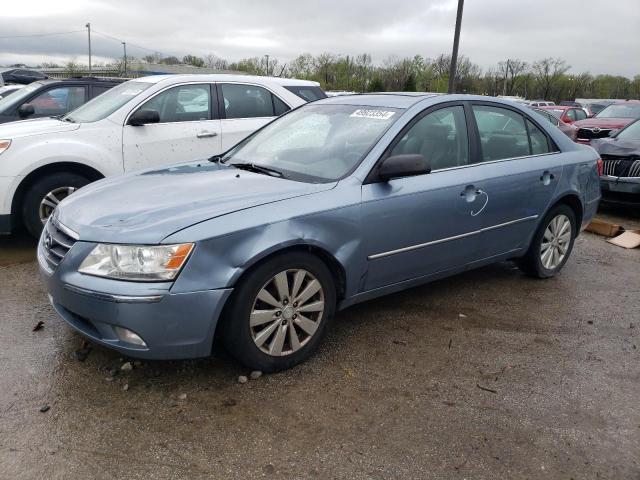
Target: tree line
x: 547, y: 78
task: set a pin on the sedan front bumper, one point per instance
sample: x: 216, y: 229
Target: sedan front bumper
x: 172, y: 325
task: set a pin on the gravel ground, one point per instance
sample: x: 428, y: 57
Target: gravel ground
x: 488, y: 374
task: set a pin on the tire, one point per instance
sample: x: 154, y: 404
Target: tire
x: 31, y: 207
x: 253, y: 345
x: 545, y: 265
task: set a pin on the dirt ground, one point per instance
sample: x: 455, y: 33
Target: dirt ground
x: 488, y: 374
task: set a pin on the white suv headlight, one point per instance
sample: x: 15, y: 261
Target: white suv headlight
x: 4, y: 144
x: 136, y: 262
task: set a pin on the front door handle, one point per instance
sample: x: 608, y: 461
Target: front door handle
x: 470, y: 193
x: 546, y: 177
x: 207, y: 134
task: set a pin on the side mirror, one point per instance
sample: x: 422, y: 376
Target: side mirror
x: 406, y: 165
x: 143, y: 117
x: 26, y: 110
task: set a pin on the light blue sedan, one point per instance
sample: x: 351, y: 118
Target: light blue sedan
x: 334, y: 203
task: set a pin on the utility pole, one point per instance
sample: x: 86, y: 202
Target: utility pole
x: 267, y: 56
x: 124, y: 45
x: 504, y: 84
x: 454, y: 55
x: 88, y: 25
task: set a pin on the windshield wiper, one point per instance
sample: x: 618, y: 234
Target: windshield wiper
x: 252, y: 167
x: 66, y: 119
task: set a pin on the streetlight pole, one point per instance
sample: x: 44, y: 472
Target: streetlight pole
x: 267, y: 56
x: 454, y: 55
x: 124, y: 45
x: 88, y: 25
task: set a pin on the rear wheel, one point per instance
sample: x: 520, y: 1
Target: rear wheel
x: 551, y: 244
x: 279, y: 312
x: 45, y: 194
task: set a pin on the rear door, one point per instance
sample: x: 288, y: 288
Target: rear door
x: 520, y: 169
x: 244, y: 108
x: 189, y: 128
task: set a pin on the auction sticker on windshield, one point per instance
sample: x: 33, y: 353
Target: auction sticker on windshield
x: 377, y: 114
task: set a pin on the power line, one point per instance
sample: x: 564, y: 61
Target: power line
x: 41, y: 34
x: 119, y: 40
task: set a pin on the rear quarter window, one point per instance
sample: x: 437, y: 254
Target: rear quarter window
x: 308, y: 94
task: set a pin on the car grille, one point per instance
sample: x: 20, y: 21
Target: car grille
x: 590, y: 133
x: 621, y: 166
x: 57, y: 240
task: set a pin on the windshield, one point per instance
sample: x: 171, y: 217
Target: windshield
x: 632, y: 132
x: 621, y: 110
x: 18, y: 96
x: 105, y: 104
x: 318, y: 143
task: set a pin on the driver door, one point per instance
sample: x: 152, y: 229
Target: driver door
x: 419, y: 226
x: 189, y: 128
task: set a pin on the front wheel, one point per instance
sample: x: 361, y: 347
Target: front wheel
x: 551, y: 244
x: 279, y: 312
x: 44, y: 196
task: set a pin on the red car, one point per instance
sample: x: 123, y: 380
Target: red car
x: 568, y: 114
x: 570, y: 131
x: 614, y: 117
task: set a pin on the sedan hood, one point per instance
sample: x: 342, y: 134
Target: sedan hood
x: 146, y: 207
x: 603, y: 122
x: 37, y: 126
x: 617, y: 147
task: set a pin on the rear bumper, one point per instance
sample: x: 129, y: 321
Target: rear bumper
x: 172, y: 325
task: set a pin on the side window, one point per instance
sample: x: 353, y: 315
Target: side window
x: 58, y: 101
x: 571, y: 114
x: 279, y: 107
x: 539, y: 143
x: 98, y: 90
x: 503, y: 133
x: 440, y: 136
x: 580, y: 114
x: 250, y: 101
x: 184, y: 103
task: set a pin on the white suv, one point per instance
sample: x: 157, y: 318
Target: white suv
x: 147, y: 122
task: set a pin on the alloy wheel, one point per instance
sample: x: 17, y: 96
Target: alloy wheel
x: 555, y: 242
x: 51, y: 200
x: 287, y: 312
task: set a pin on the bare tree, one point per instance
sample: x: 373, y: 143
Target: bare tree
x: 547, y: 72
x: 213, y: 61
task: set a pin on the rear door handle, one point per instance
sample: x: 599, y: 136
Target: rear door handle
x: 546, y: 177
x: 207, y: 134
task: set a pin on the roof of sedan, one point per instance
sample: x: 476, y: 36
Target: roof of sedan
x: 390, y: 100
x: 221, y: 77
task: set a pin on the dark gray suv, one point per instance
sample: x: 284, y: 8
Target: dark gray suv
x: 51, y: 98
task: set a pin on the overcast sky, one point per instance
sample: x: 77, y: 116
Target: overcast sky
x: 592, y: 35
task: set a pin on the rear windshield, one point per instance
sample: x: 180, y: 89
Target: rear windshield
x: 308, y: 94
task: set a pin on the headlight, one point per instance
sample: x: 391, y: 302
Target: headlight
x: 4, y: 144
x: 136, y: 262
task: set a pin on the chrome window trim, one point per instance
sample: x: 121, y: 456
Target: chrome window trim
x: 448, y: 239
x: 108, y: 297
x: 494, y: 161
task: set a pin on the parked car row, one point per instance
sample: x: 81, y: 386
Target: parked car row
x: 252, y: 215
